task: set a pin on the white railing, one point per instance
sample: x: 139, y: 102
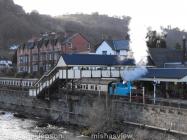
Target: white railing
x: 44, y: 82
x: 48, y: 79
x: 77, y: 74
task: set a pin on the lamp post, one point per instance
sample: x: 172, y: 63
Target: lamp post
x: 184, y: 49
x: 130, y: 94
x: 154, y: 85
x: 143, y: 90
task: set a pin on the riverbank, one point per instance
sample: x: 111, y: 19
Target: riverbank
x: 13, y: 128
x: 98, y: 114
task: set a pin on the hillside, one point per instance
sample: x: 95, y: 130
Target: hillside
x: 17, y: 26
x: 96, y: 27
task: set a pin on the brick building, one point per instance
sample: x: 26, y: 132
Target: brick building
x: 41, y: 54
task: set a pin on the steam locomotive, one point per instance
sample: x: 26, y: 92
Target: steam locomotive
x: 112, y: 87
x: 120, y: 88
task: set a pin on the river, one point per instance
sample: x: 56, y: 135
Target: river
x: 13, y: 128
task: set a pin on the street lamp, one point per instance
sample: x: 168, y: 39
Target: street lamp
x: 183, y: 37
x: 130, y: 94
x: 143, y: 90
x: 154, y: 85
x: 184, y: 49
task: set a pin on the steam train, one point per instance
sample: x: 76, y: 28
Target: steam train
x: 110, y: 86
x: 120, y: 88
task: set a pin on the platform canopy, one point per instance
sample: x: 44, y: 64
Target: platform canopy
x: 94, y: 60
x: 166, y: 75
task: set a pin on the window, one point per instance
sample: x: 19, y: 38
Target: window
x: 20, y: 59
x: 50, y: 56
x: 35, y: 57
x: 25, y: 69
x: 104, y: 52
x: 95, y: 87
x: 88, y: 46
x: 92, y: 87
x: 42, y: 57
x: 69, y: 44
x: 117, y: 52
x: 35, y: 67
x: 23, y: 59
x: 21, y: 69
x: 56, y: 56
x: 48, y: 66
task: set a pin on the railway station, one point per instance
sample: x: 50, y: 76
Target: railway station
x: 77, y: 82
x: 96, y: 72
x: 169, y: 82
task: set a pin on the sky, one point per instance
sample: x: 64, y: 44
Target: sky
x: 144, y: 14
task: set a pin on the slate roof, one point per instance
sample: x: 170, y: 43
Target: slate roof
x: 93, y: 59
x: 2, y: 58
x: 159, y: 56
x: 169, y: 73
x: 48, y: 39
x: 70, y: 38
x: 30, y: 45
x: 118, y: 44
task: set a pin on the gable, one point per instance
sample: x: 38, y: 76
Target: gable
x: 61, y: 62
x: 117, y: 45
x: 74, y: 36
x: 104, y: 47
x: 82, y: 37
x: 104, y: 44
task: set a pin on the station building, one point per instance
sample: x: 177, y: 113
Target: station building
x: 168, y: 73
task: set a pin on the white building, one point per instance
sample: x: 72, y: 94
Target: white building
x: 5, y: 63
x: 113, y: 47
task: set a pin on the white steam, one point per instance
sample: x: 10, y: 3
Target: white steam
x: 137, y: 33
x: 134, y: 74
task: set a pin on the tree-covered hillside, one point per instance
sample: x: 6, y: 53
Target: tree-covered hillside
x: 17, y: 26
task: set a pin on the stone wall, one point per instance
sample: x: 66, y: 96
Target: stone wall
x: 153, y: 115
x: 91, y: 109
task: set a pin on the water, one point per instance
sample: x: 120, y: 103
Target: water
x: 12, y: 128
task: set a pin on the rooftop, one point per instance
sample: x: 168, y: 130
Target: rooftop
x: 166, y: 73
x: 93, y: 59
x: 118, y: 44
x: 160, y: 56
x: 48, y: 38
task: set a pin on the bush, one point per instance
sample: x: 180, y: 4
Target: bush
x: 21, y: 75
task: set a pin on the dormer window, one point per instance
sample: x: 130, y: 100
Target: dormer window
x: 69, y: 44
x: 117, y: 52
x: 89, y: 46
x: 104, y: 52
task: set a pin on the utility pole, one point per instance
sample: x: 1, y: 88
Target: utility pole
x: 143, y: 95
x: 130, y: 94
x: 184, y: 49
x: 154, y: 85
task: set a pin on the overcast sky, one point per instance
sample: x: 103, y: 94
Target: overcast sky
x: 144, y: 13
